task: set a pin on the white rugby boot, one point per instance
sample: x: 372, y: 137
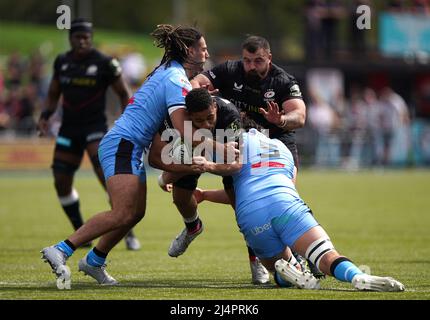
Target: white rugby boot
x: 259, y: 273
x: 182, y: 241
x: 366, y: 282
x: 131, y: 242
x: 98, y: 273
x: 57, y: 260
x: 300, y: 279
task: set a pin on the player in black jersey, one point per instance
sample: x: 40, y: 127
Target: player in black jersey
x: 81, y: 77
x: 269, y: 96
x: 205, y: 112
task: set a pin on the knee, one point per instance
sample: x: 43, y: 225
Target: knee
x: 130, y: 218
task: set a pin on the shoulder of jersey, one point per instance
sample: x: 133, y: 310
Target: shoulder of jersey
x: 280, y: 73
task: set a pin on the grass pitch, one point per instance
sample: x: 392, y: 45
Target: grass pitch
x: 378, y: 219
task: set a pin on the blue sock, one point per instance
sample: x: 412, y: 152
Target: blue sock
x: 281, y: 282
x: 64, y: 247
x: 95, y: 260
x: 344, y: 269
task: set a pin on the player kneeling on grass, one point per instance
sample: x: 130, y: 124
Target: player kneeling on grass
x: 273, y: 218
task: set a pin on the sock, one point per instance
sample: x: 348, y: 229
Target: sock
x: 344, y: 270
x: 66, y: 246
x: 96, y: 258
x: 70, y: 206
x: 294, y: 262
x: 251, y: 254
x: 281, y: 282
x: 192, y: 224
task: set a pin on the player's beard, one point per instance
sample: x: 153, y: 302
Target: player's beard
x: 252, y: 76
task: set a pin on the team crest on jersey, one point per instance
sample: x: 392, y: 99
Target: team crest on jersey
x: 237, y: 87
x: 269, y: 94
x: 92, y: 70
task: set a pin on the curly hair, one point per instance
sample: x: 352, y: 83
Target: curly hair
x: 175, y: 41
x: 198, y: 100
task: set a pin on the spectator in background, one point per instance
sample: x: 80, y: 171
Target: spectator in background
x: 25, y: 124
x: 324, y: 121
x: 374, y: 146
x: 134, y: 69
x: 421, y: 122
x: 15, y: 70
x: 356, y: 126
x: 396, y: 124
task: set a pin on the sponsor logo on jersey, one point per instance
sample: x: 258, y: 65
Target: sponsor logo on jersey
x: 295, y: 91
x: 64, y: 66
x: 237, y: 87
x: 92, y: 70
x: 213, y: 76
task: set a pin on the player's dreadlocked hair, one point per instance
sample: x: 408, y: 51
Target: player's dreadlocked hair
x: 175, y: 41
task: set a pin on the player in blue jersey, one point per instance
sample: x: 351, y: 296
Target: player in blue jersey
x: 273, y: 218
x: 120, y: 152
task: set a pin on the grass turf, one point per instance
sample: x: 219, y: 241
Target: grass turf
x: 378, y: 219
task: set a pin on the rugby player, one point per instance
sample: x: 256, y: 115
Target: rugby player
x: 120, y: 152
x: 254, y: 84
x: 273, y: 218
x: 222, y: 120
x: 81, y: 77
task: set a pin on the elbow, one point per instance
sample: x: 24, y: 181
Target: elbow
x: 301, y: 121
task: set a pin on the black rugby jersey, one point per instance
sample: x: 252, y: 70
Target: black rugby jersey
x: 228, y: 117
x: 83, y: 85
x: 278, y: 86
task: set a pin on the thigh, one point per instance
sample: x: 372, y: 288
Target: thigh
x: 292, y: 224
x: 188, y: 182
x: 123, y: 190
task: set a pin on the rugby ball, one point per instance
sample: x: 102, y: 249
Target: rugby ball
x: 181, y: 152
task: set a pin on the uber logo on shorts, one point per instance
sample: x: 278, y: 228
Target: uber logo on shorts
x: 260, y: 229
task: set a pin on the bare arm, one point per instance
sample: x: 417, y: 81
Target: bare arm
x: 155, y: 159
x: 216, y: 196
x: 221, y: 169
x: 228, y: 150
x: 121, y: 89
x: 201, y: 81
x: 51, y: 103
